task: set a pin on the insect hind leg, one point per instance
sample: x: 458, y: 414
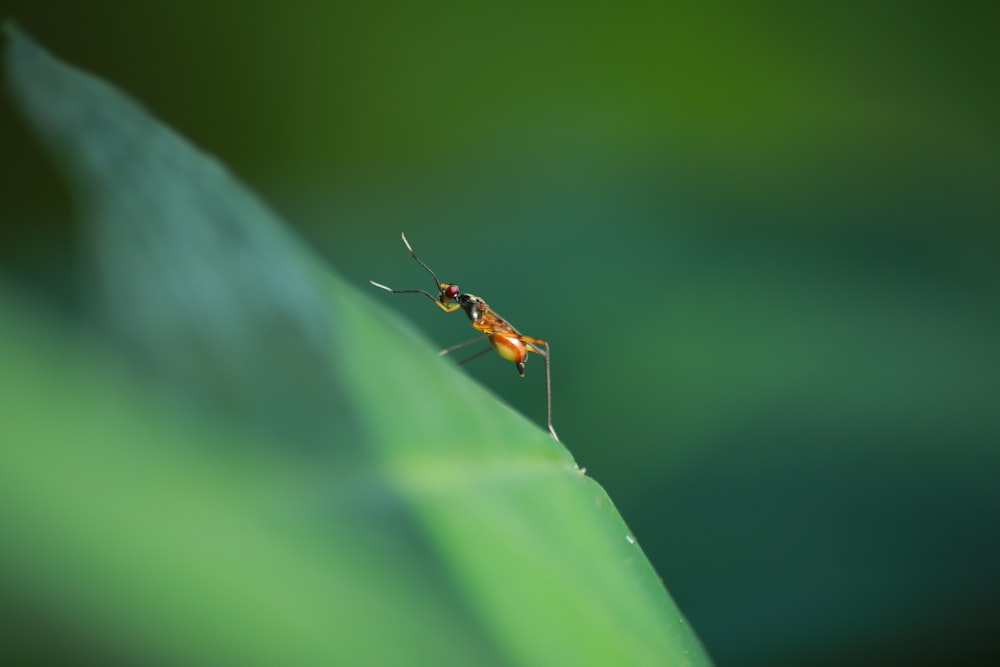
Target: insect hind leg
x: 541, y: 348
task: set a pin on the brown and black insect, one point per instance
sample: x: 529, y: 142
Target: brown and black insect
x: 509, y: 343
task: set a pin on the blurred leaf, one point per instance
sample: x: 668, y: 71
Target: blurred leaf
x: 254, y: 464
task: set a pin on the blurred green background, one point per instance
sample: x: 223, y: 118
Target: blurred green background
x: 761, y: 239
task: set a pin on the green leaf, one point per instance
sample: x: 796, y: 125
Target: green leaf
x: 252, y: 462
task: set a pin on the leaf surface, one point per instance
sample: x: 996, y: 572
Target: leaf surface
x: 253, y: 462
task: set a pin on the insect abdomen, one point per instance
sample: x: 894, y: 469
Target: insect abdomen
x: 508, y: 347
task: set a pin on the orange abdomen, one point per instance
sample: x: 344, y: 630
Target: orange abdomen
x: 509, y: 347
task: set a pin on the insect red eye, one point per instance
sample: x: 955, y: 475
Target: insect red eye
x: 452, y: 291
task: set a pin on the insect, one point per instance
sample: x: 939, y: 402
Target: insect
x: 509, y: 343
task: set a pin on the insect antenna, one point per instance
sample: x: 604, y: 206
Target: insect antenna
x: 404, y: 291
x: 437, y: 283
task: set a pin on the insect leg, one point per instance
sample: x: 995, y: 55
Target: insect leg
x: 474, y: 356
x: 536, y: 345
x: 461, y: 345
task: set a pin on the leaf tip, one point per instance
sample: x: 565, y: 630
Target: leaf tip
x: 18, y: 41
x: 11, y: 28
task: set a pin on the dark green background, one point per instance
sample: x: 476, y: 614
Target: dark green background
x: 762, y: 240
